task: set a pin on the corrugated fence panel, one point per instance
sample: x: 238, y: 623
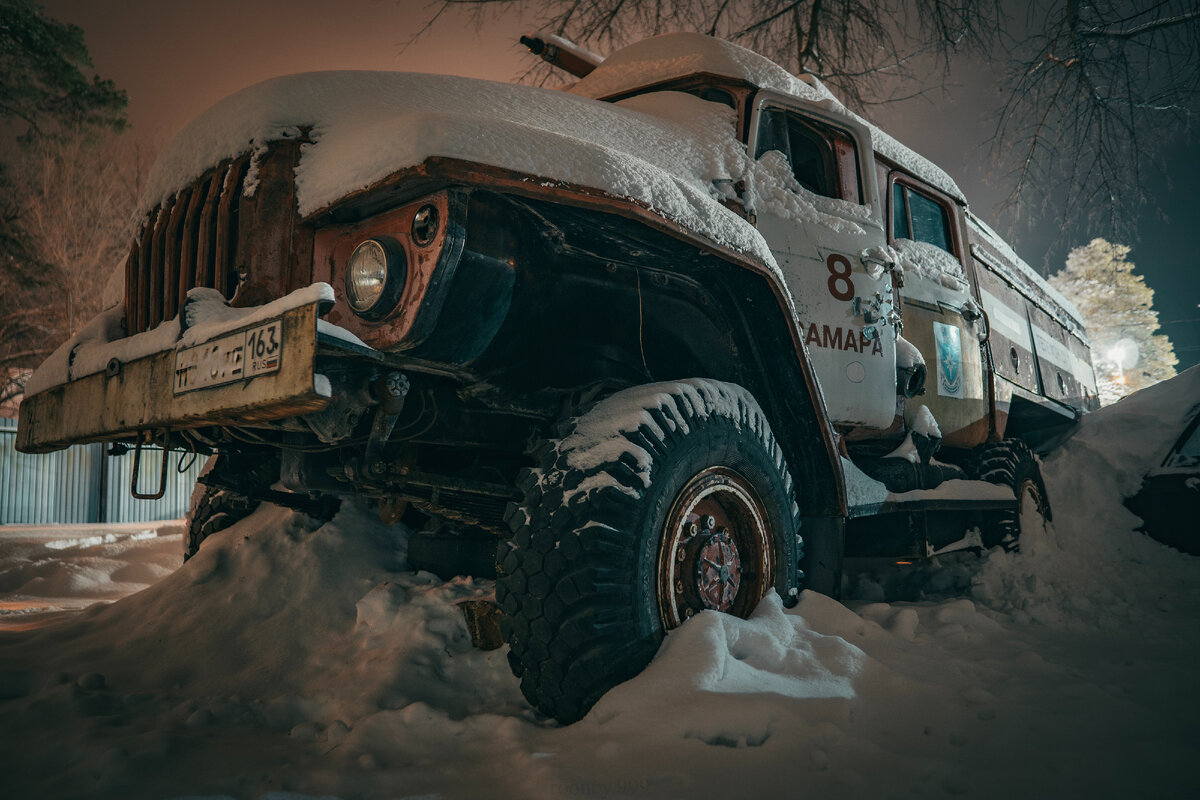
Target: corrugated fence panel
x: 81, y: 484
x: 61, y: 487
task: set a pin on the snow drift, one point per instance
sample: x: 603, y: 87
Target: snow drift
x: 307, y: 659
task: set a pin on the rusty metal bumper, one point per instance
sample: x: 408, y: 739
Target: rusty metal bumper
x: 141, y: 395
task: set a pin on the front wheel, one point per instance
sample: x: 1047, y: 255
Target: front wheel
x: 660, y: 502
x: 223, y: 495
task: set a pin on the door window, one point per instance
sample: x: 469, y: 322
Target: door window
x: 919, y: 217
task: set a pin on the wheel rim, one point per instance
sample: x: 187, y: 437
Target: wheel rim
x: 716, y: 551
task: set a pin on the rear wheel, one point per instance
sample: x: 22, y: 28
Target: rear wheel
x: 660, y: 502
x: 1011, y: 463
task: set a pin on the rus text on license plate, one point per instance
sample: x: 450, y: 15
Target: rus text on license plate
x: 235, y: 357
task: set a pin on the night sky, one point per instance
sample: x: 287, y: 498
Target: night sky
x: 177, y: 58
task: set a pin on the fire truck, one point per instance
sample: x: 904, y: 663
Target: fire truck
x: 681, y: 333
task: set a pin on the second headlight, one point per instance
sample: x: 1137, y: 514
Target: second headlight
x: 375, y: 275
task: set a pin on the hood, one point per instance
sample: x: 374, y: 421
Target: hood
x: 361, y: 127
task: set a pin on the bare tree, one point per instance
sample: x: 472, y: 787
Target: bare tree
x: 52, y: 102
x: 1094, y: 92
x: 868, y: 51
x: 74, y: 196
x: 1091, y: 90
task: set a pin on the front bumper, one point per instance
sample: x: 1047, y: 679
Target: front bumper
x: 144, y: 394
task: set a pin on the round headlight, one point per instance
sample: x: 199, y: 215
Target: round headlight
x: 374, y: 277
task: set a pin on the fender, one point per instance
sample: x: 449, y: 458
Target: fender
x: 593, y: 230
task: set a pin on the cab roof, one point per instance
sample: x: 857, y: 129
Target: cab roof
x: 672, y: 56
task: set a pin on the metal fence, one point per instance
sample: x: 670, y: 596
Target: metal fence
x: 82, y: 484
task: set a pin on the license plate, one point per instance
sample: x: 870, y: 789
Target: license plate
x: 238, y: 356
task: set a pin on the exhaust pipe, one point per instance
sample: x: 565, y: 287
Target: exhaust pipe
x: 562, y: 53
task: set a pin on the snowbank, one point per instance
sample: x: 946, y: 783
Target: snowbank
x: 309, y: 660
x: 70, y: 567
x: 1093, y: 569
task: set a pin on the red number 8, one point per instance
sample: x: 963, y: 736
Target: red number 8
x: 837, y: 276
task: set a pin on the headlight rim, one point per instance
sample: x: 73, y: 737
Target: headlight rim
x: 394, y: 280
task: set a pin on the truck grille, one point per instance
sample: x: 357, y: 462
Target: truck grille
x: 190, y: 240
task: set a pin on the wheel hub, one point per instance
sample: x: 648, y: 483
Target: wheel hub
x: 718, y: 571
x: 716, y: 549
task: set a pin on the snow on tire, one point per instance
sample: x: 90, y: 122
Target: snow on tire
x: 213, y: 511
x: 657, y: 503
x: 215, y: 507
x: 1011, y: 463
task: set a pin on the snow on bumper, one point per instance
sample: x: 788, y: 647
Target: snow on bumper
x: 216, y: 380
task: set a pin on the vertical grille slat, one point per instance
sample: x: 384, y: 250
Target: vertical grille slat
x: 173, y: 249
x: 206, y: 237
x: 154, y: 310
x: 133, y: 276
x: 221, y: 252
x: 190, y: 240
x: 188, y: 268
x: 141, y: 317
x: 227, y: 228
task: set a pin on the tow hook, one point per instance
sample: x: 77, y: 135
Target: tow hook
x: 137, y: 467
x: 391, y: 390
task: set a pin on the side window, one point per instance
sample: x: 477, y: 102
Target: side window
x: 900, y: 229
x: 919, y: 217
x: 823, y: 158
x: 714, y: 96
x: 1189, y: 453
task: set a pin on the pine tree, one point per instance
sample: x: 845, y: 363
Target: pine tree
x: 1117, y: 307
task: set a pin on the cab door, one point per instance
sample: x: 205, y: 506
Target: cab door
x: 812, y: 201
x: 942, y: 317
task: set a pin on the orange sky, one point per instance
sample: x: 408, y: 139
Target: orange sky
x: 176, y: 59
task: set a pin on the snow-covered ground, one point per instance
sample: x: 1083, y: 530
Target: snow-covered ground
x: 45, y: 570
x: 290, y: 659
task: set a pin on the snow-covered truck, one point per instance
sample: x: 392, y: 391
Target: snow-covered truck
x: 680, y: 334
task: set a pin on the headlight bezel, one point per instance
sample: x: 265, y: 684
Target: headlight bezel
x: 395, y: 276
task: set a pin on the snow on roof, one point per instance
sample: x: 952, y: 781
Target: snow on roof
x: 912, y: 161
x: 367, y: 125
x: 677, y: 55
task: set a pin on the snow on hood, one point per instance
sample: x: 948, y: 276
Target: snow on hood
x: 364, y: 126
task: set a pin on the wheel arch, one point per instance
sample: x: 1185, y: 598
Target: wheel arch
x: 628, y: 303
